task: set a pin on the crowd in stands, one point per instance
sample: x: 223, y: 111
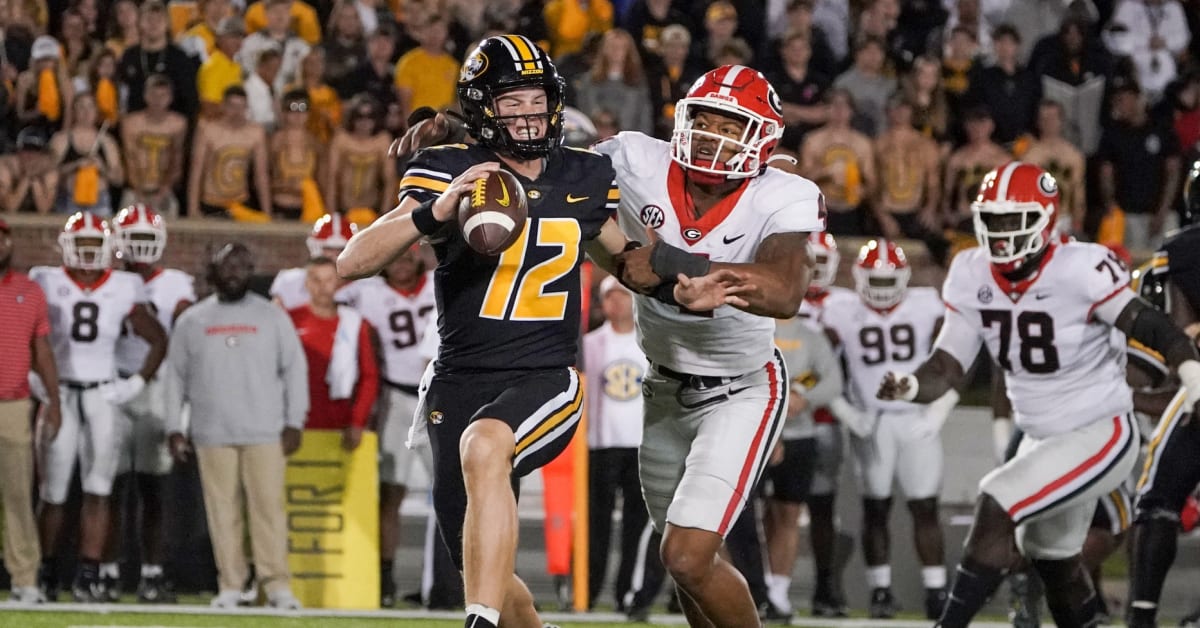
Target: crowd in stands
x: 284, y: 109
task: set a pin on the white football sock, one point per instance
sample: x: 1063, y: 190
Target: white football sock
x: 879, y: 577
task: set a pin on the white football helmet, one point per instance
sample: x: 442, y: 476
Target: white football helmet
x: 825, y: 261
x: 85, y: 242
x: 141, y: 234
x: 881, y: 274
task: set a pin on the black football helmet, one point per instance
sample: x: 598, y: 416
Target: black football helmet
x: 1150, y: 282
x: 500, y: 64
x: 1191, y: 196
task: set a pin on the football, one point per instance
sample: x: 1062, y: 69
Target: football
x: 493, y: 215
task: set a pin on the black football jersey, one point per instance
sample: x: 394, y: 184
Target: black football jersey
x: 520, y: 309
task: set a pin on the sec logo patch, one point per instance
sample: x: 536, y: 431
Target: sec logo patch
x: 652, y: 216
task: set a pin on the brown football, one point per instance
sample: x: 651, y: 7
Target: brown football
x: 493, y: 215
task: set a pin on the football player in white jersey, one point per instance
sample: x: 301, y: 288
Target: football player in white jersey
x: 1045, y: 311
x: 140, y: 234
x: 827, y: 600
x: 889, y: 326
x: 400, y: 306
x: 90, y: 305
x: 716, y: 392
x: 330, y: 233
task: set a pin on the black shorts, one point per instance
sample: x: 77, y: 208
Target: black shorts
x: 542, y: 407
x: 791, y: 479
x: 1172, y: 467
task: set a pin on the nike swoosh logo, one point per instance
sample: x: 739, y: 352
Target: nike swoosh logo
x: 734, y: 391
x: 729, y: 240
x: 1039, y: 297
x: 503, y: 200
x: 576, y: 199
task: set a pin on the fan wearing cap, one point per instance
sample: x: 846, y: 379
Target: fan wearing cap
x: 43, y: 93
x: 28, y: 178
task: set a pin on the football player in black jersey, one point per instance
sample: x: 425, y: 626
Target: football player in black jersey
x: 1171, y: 281
x: 505, y: 398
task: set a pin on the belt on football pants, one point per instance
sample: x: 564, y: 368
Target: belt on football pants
x: 76, y: 385
x: 700, y: 382
x: 404, y: 388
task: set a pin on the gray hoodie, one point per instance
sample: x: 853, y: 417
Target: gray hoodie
x: 241, y: 367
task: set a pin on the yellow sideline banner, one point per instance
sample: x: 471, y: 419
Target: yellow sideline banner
x: 333, y: 522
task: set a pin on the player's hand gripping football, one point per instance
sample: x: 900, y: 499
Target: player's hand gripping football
x: 445, y: 208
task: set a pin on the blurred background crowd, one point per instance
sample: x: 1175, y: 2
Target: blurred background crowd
x: 284, y: 109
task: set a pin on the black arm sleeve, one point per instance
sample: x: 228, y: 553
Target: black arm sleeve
x: 1152, y: 328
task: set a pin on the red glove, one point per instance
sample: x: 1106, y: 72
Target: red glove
x: 1189, y: 515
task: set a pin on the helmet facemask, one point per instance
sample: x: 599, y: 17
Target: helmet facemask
x: 751, y: 149
x: 141, y: 246
x: 1012, y: 232
x: 85, y: 251
x: 491, y: 129
x: 881, y: 288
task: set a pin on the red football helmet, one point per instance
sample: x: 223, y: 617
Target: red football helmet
x: 141, y: 234
x: 825, y: 261
x: 85, y: 242
x: 331, y: 231
x: 881, y: 274
x: 738, y: 91
x: 1015, y: 213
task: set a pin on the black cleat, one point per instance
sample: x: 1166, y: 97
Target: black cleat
x: 387, y: 590
x: 828, y: 606
x: 88, y: 588
x: 155, y: 590
x: 883, y: 604
x: 639, y: 611
x: 112, y: 588
x: 48, y: 582
x: 935, y: 603
x: 769, y: 613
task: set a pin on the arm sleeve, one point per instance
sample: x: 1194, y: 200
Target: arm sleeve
x: 830, y: 384
x: 293, y: 369
x: 959, y: 338
x: 367, y: 388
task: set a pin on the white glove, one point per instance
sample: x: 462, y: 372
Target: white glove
x: 936, y: 414
x: 122, y: 389
x: 1189, y: 376
x: 1002, y: 430
x: 860, y: 423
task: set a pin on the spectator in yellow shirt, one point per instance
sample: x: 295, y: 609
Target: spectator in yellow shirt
x: 569, y: 23
x: 201, y: 39
x: 427, y: 76
x: 220, y: 71
x: 305, y: 22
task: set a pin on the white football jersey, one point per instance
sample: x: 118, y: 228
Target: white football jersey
x: 85, y: 323
x: 1052, y: 334
x: 875, y: 342
x: 164, y: 291
x: 726, y: 341
x: 288, y: 286
x: 615, y: 366
x: 812, y: 311
x: 400, y: 320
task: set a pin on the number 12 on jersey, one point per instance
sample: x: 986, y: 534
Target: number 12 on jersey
x: 524, y: 289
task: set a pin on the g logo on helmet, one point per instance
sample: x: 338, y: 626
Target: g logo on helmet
x: 1047, y: 185
x: 476, y: 65
x: 773, y: 101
